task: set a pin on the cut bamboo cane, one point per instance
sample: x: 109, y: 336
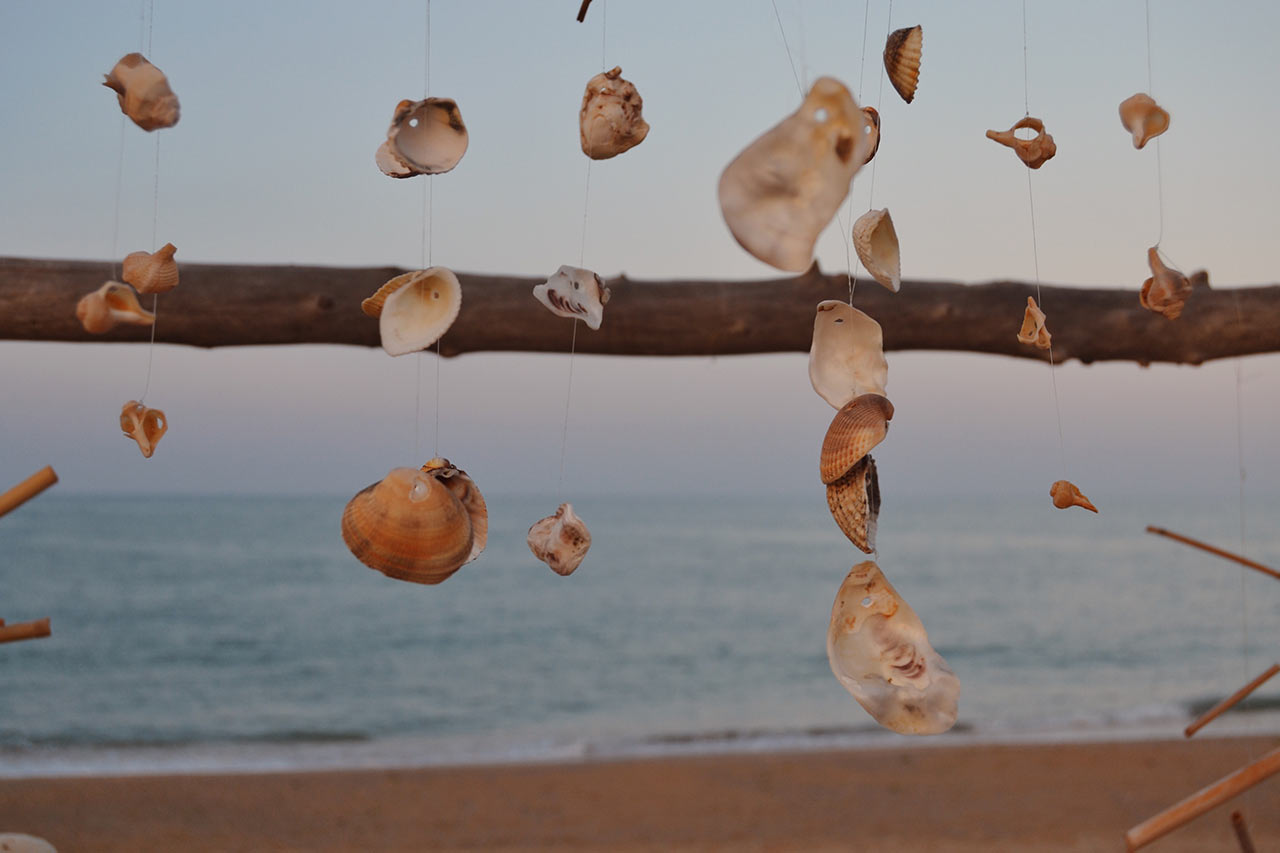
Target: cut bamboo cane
x: 25, y: 631
x: 1202, y: 801
x: 1211, y: 714
x: 1242, y: 833
x: 1227, y: 555
x: 27, y: 489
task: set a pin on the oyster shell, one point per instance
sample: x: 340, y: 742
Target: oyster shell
x: 1143, y: 118
x: 1166, y: 291
x: 1065, y: 495
x: 902, y: 60
x: 561, y: 540
x: 854, y: 432
x: 575, y: 293
x: 426, y: 137
x: 610, y: 121
x: 854, y: 501
x: 415, y: 309
x: 779, y: 193
x: 1034, y: 152
x: 876, y: 242
x: 1033, y: 329
x: 846, y: 358
x: 145, y: 426
x: 143, y: 92
x: 152, y: 272
x: 879, y: 651
x: 110, y: 304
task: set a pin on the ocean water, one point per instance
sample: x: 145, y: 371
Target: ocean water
x: 237, y: 633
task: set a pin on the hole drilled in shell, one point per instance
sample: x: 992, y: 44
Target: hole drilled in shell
x: 415, y: 309
x: 846, y: 358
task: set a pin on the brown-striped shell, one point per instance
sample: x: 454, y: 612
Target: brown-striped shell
x: 1143, y: 118
x: 1166, y: 291
x: 854, y: 501
x: 152, y: 272
x: 1065, y: 495
x: 876, y: 242
x: 144, y: 425
x: 561, y: 540
x: 1033, y: 329
x: 1035, y: 151
x: 610, y: 122
x: 415, y: 309
x: 854, y: 432
x: 575, y: 293
x: 426, y: 137
x: 143, y: 92
x: 902, y: 60
x: 110, y: 304
x: 846, y: 357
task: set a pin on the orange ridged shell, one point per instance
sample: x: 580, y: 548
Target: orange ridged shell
x: 143, y: 425
x: 854, y: 431
x: 152, y: 272
x: 902, y: 60
x: 1065, y: 494
x: 1033, y: 329
x: 110, y: 304
x: 1166, y: 291
x: 854, y: 501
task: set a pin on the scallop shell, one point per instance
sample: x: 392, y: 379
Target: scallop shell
x: 610, y: 121
x: 575, y: 293
x: 1065, y: 494
x: 1034, y: 152
x: 426, y: 137
x: 846, y: 358
x: 854, y: 501
x: 779, y: 193
x: 1033, y: 328
x: 854, y: 432
x: 412, y: 318
x: 561, y: 540
x: 1143, y: 118
x: 872, y: 129
x: 145, y: 426
x: 110, y: 304
x: 1166, y: 291
x: 902, y: 60
x: 152, y: 272
x: 876, y: 242
x: 879, y: 651
x: 143, y: 92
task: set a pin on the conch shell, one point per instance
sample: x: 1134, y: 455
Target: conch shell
x: 1033, y: 328
x: 575, y: 293
x: 1034, y: 152
x: 1166, y: 291
x: 110, y: 304
x: 415, y: 309
x: 779, y: 193
x: 1143, y: 117
x: 143, y: 425
x: 561, y: 540
x: 610, y: 121
x: 880, y: 652
x: 876, y: 242
x: 1065, y: 494
x: 854, y: 432
x: 426, y: 137
x: 143, y: 92
x: 854, y: 501
x: 902, y: 60
x: 872, y: 128
x: 418, y: 525
x: 152, y: 272
x: 846, y: 358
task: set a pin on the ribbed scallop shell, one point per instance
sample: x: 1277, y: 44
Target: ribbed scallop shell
x: 152, y: 272
x: 854, y: 501
x: 1065, y: 495
x: 1143, y: 118
x: 143, y: 92
x: 902, y: 60
x: 876, y: 242
x: 1167, y: 291
x: 846, y: 358
x: 110, y: 304
x: 415, y: 309
x: 610, y: 122
x: 426, y: 137
x: 145, y: 426
x: 854, y: 432
x: 1035, y: 152
x: 1033, y: 329
x: 561, y: 540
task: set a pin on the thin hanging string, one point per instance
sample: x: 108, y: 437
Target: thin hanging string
x: 1159, y: 165
x: 804, y: 59
x: 1244, y: 592
x: 115, y: 227
x: 155, y: 225
x: 787, y: 47
x: 879, y: 100
x: 424, y: 262
x: 862, y: 74
x: 568, y: 396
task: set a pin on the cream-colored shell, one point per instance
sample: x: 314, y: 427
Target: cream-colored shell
x: 846, y: 358
x: 779, y: 194
x: 854, y: 502
x: 610, y: 121
x: 1035, y: 152
x: 17, y: 842
x: 143, y: 92
x: 152, y: 272
x: 561, y: 540
x: 1143, y: 118
x: 144, y: 425
x: 1033, y: 329
x: 876, y: 242
x: 415, y: 309
x: 1167, y: 291
x: 426, y: 137
x: 902, y: 60
x: 575, y: 293
x: 879, y: 651
x: 872, y: 130
x: 1065, y: 494
x: 109, y: 305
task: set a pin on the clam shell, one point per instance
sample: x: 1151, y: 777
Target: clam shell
x: 902, y: 60
x: 561, y: 540
x: 110, y: 304
x: 143, y: 92
x: 876, y: 242
x: 575, y: 293
x: 854, y: 501
x: 468, y: 494
x: 426, y: 137
x: 1065, y: 495
x: 1034, y: 152
x: 145, y: 426
x: 872, y: 128
x: 152, y: 272
x: 1143, y: 118
x: 1033, y: 329
x: 1167, y: 291
x: 846, y: 358
x: 610, y: 121
x: 879, y: 651
x: 415, y: 309
x: 854, y: 432
x: 779, y: 193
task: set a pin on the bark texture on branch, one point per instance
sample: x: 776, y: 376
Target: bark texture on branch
x: 238, y: 305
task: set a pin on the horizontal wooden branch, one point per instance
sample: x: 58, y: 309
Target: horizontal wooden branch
x: 239, y: 305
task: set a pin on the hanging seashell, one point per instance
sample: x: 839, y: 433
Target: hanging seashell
x: 152, y: 272
x: 1143, y: 117
x: 610, y: 121
x: 876, y: 242
x: 879, y: 651
x: 415, y: 309
x: 846, y: 358
x: 872, y: 130
x: 575, y: 293
x: 854, y: 432
x: 561, y: 540
x: 425, y: 138
x: 779, y: 194
x: 143, y: 92
x: 902, y: 60
x: 1033, y: 329
x: 1034, y: 152
x: 1065, y: 494
x: 854, y: 501
x: 110, y: 304
x: 145, y: 426
x: 468, y: 494
x: 1166, y: 291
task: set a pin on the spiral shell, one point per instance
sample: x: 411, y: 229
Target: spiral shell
x: 1066, y: 495
x: 902, y: 60
x: 1143, y: 118
x: 145, y: 426
x: 561, y: 540
x: 152, y: 272
x: 1035, y: 152
x: 854, y: 501
x: 1167, y: 291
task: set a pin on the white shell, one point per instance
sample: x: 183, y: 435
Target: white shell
x: 426, y: 137
x: 846, y: 359
x: 575, y: 293
x: 610, y: 121
x: 143, y: 92
x: 561, y: 540
x: 879, y: 651
x: 17, y: 842
x: 779, y: 194
x: 415, y: 309
x: 876, y: 242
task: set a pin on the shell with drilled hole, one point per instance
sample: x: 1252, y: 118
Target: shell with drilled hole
x: 415, y: 309
x: 109, y: 305
x: 426, y: 137
x: 783, y: 189
x: 561, y: 540
x: 144, y: 425
x: 1035, y: 152
x: 610, y: 121
x: 876, y: 242
x: 879, y: 651
x: 1166, y: 291
x: 872, y: 130
x: 902, y: 60
x: 152, y: 272
x: 846, y: 358
x: 1033, y: 329
x: 143, y: 92
x: 1143, y: 118
x: 574, y: 293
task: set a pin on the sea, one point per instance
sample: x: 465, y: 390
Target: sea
x: 228, y: 634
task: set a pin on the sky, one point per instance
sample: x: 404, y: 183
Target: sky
x: 284, y: 104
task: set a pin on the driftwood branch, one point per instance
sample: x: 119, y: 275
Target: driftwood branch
x: 236, y: 305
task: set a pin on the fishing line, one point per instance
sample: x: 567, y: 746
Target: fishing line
x: 424, y: 262
x: 1159, y: 165
x: 155, y: 225
x: 862, y: 74
x: 791, y: 61
x: 115, y: 228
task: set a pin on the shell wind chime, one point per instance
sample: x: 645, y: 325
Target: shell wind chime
x: 143, y: 92
x: 1034, y: 152
x: 426, y: 137
x: 415, y: 309
x: 610, y: 122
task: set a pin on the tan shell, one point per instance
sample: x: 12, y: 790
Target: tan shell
x: 145, y: 426
x: 415, y: 309
x: 879, y: 651
x: 575, y: 293
x: 1167, y: 291
x: 902, y: 60
x: 426, y: 137
x: 876, y: 242
x: 1033, y: 329
x: 854, y: 501
x: 1034, y: 152
x: 783, y: 189
x: 561, y: 540
x: 1065, y: 494
x: 143, y: 92
x: 610, y: 121
x: 846, y: 358
x: 468, y: 494
x: 152, y: 272
x: 110, y: 304
x: 872, y: 130
x: 1143, y: 118
x: 17, y: 842
x: 854, y: 432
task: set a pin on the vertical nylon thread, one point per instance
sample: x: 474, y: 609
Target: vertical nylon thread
x: 790, y: 60
x: 568, y: 397
x: 1159, y: 164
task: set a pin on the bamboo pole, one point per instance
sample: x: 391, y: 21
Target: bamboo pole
x: 25, y: 631
x: 1217, y: 710
x: 27, y: 489
x: 1203, y: 546
x: 1242, y: 833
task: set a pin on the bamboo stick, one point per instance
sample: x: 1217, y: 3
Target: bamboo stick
x: 1242, y: 833
x: 1203, y: 546
x: 1202, y: 801
x: 1212, y: 714
x: 25, y: 631
x: 27, y: 489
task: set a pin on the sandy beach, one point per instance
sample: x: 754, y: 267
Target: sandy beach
x: 1079, y: 797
